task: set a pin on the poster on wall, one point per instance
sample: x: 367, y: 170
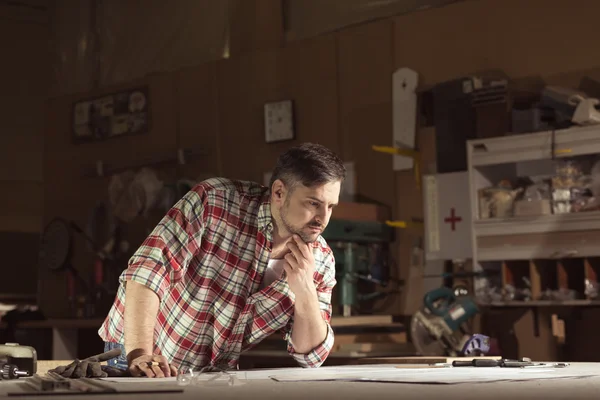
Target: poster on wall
x: 114, y: 115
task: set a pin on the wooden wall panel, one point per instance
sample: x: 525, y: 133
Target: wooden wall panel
x: 198, y: 120
x: 21, y: 206
x: 304, y: 72
x: 536, y: 37
x: 24, y: 73
x: 69, y: 195
x: 310, y: 78
x: 365, y: 98
x: 244, y: 85
x: 255, y: 25
x: 67, y: 191
x: 22, y: 131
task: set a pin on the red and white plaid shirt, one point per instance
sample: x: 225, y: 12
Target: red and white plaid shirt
x: 206, y: 260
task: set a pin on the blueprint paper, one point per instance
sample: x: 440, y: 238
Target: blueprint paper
x: 447, y: 375
x: 395, y: 373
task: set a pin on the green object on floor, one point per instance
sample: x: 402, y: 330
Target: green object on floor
x: 357, y: 247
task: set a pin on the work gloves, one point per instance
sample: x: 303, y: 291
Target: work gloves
x: 91, y: 367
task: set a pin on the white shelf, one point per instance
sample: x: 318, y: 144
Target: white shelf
x: 546, y: 245
x: 580, y: 221
x: 519, y: 253
x: 544, y: 236
x: 534, y: 146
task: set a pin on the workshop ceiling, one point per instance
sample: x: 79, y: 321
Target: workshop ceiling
x: 104, y: 42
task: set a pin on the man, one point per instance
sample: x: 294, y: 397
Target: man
x: 230, y: 264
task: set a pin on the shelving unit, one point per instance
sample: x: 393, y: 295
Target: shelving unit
x: 557, y: 252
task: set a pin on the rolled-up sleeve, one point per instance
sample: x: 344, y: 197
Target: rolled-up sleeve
x: 163, y: 257
x: 317, y: 356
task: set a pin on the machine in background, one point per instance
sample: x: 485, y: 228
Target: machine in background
x: 439, y: 328
x: 361, y: 251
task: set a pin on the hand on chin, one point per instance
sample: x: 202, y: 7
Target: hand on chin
x: 299, y: 266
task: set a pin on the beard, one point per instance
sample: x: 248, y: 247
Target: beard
x: 299, y: 230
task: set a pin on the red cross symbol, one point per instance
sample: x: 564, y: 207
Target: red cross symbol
x: 452, y: 219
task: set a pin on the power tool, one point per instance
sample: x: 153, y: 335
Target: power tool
x: 17, y: 361
x: 439, y: 328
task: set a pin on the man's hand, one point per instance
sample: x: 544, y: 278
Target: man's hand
x: 300, y: 267
x: 309, y: 327
x: 151, y: 366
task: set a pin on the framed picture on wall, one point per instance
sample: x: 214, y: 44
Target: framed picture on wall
x: 114, y: 115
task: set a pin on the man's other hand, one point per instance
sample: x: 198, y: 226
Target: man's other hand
x: 151, y: 366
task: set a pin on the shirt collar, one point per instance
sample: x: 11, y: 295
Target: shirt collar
x: 265, y: 219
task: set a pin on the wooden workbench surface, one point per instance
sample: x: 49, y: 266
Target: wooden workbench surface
x: 548, y: 389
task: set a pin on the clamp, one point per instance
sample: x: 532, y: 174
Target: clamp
x: 414, y: 154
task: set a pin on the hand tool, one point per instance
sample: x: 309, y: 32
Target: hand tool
x: 406, y: 152
x: 505, y: 363
x: 17, y: 361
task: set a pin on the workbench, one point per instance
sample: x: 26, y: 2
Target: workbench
x: 65, y: 333
x: 572, y: 388
x: 66, y: 338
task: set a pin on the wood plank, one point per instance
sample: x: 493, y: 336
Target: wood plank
x: 590, y: 272
x: 361, y: 212
x: 536, y: 280
x: 59, y: 323
x: 507, y: 276
x: 372, y: 347
x: 362, y: 320
x: 562, y: 275
x: 342, y: 339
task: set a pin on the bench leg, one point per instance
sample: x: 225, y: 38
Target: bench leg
x: 64, y: 344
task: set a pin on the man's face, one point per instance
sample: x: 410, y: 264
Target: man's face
x: 306, y: 210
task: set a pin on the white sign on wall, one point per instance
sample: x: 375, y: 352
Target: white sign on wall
x: 404, y: 114
x: 447, y: 213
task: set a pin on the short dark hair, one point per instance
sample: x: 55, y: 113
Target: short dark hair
x: 310, y: 164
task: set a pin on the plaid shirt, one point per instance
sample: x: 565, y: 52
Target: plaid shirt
x: 205, y: 260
